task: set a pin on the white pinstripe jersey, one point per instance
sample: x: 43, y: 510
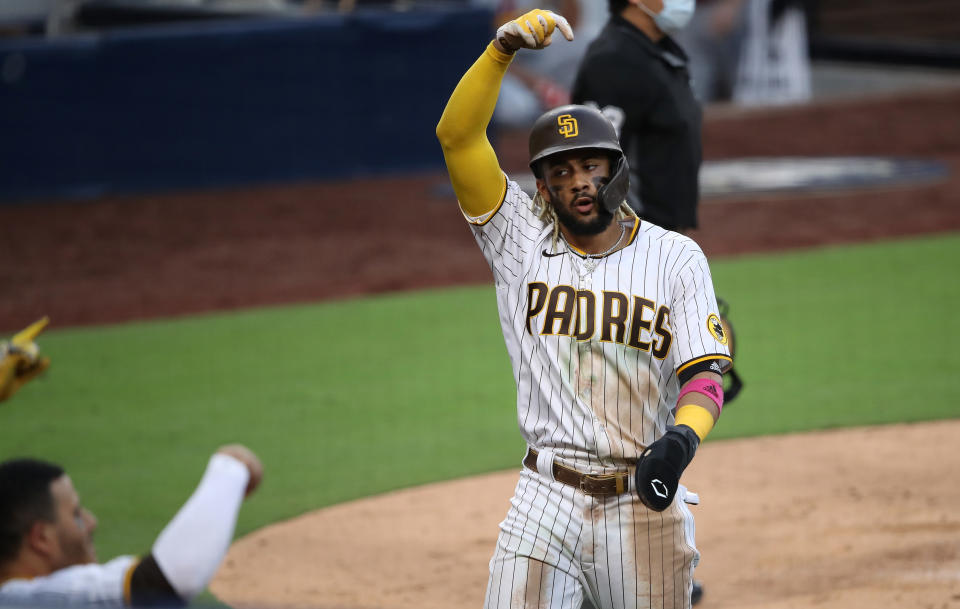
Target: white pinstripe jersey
x: 597, y: 354
x: 95, y: 585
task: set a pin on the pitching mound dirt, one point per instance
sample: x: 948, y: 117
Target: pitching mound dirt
x: 852, y: 518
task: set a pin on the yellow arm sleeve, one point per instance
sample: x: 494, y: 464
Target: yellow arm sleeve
x: 474, y: 170
x: 697, y: 418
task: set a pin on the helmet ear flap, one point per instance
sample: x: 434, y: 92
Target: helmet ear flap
x: 537, y: 169
x: 614, y: 192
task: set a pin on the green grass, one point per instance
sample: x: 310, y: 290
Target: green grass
x: 347, y: 399
x: 844, y: 336
x: 341, y: 400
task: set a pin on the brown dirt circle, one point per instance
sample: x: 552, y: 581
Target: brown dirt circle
x: 851, y: 518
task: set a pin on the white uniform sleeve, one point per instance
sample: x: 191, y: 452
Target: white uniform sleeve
x: 508, y: 234
x: 103, y: 585
x: 191, y: 547
x: 695, y: 315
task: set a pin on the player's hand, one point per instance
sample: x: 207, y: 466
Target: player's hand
x: 246, y: 456
x: 24, y: 339
x: 532, y: 30
x: 661, y: 465
x: 20, y: 359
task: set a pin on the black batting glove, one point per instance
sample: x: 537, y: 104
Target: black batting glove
x: 661, y: 465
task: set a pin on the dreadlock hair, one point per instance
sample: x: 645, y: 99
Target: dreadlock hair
x: 25, y: 498
x: 548, y: 215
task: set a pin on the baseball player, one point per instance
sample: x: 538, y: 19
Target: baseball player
x: 20, y: 359
x: 616, y: 346
x: 47, y: 556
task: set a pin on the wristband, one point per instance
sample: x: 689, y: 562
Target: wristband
x: 711, y: 389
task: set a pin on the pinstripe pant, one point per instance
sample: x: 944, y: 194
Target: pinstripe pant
x: 558, y: 548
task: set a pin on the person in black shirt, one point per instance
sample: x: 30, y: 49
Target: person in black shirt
x: 638, y: 76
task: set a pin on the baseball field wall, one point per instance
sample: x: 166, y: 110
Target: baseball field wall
x: 232, y: 102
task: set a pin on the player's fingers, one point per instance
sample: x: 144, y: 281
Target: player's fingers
x: 28, y: 351
x: 547, y: 24
x: 541, y: 28
x: 530, y: 34
x: 249, y: 459
x: 29, y: 334
x: 256, y: 477
x: 528, y: 40
x: 564, y: 26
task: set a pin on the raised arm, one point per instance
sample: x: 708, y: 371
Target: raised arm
x: 475, y: 173
x: 188, y: 552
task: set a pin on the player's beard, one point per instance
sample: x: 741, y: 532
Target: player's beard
x: 576, y: 226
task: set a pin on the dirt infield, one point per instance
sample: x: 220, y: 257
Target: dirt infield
x: 841, y: 519
x: 834, y: 519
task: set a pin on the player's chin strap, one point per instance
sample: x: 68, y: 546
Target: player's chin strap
x: 732, y: 383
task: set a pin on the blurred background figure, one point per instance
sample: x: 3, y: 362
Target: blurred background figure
x: 774, y: 62
x: 752, y: 52
x: 713, y: 41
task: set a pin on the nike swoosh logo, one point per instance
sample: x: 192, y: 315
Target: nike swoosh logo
x: 549, y: 255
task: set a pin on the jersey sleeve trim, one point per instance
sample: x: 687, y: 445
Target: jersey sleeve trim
x: 634, y: 232
x: 127, y: 582
x: 486, y: 217
x: 687, y: 370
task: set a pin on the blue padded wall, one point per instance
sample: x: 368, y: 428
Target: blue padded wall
x: 231, y: 102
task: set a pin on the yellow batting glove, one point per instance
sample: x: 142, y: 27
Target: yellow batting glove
x: 23, y: 340
x: 20, y: 359
x: 532, y: 30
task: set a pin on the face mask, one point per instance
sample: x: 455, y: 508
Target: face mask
x: 674, y: 17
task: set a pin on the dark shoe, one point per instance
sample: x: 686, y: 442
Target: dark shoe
x: 697, y: 593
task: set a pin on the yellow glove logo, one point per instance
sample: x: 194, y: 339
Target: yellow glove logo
x: 568, y: 126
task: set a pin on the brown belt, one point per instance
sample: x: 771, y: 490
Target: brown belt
x: 590, y: 484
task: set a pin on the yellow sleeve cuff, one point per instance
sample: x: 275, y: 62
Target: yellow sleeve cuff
x: 696, y: 418
x: 498, y: 55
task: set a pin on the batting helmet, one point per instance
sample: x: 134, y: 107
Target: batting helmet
x: 575, y: 127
